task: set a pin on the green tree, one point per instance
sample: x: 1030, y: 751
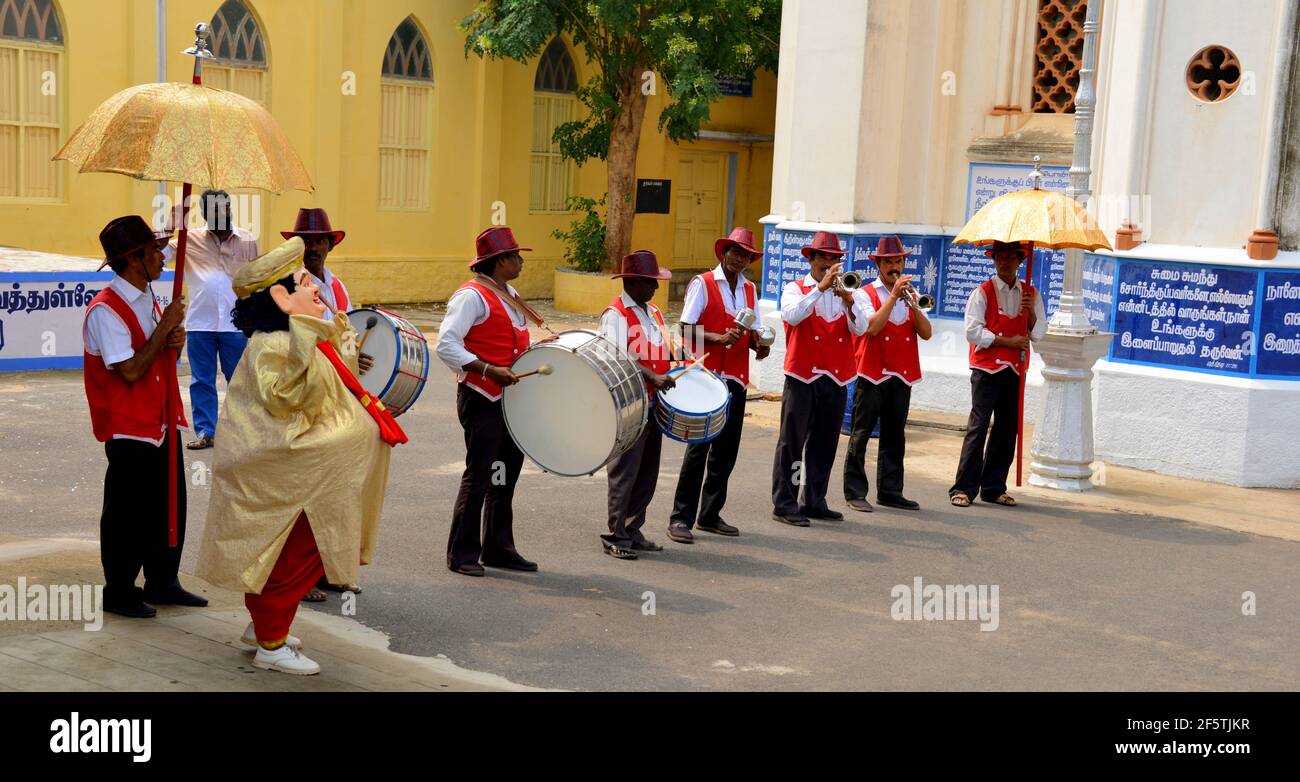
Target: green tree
x: 687, y: 44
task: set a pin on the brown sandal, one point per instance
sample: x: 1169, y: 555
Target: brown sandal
x: 960, y: 500
x: 315, y: 596
x: 1004, y: 499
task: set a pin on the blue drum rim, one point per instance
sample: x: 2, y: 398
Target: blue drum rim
x: 725, y: 404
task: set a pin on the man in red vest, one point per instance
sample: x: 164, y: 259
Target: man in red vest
x: 635, y: 324
x: 482, y: 334
x: 889, y: 363
x: 821, y: 320
x: 130, y: 388
x: 709, y: 324
x: 313, y: 225
x: 1002, y: 316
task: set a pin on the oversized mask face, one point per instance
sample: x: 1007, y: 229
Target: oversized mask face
x: 304, y: 300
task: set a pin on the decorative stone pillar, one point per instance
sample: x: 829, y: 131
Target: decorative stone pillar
x: 1062, y: 450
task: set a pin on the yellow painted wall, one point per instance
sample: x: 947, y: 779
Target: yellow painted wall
x: 482, y: 119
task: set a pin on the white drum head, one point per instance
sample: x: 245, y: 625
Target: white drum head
x: 697, y: 391
x: 382, y: 345
x: 564, y: 421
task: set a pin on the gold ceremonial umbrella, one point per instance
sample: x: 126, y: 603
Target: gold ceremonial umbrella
x: 1042, y: 218
x: 171, y: 132
x: 191, y: 134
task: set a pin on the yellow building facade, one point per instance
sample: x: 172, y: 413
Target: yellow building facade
x: 412, y: 146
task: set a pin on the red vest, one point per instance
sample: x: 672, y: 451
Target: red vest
x: 994, y: 359
x: 497, y: 341
x: 131, y: 409
x: 816, y: 346
x: 656, y: 358
x: 732, y: 362
x: 892, y: 352
x: 340, y: 295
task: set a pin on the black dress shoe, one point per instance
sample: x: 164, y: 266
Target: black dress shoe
x: 720, y: 527
x: 823, y: 514
x: 510, y: 561
x: 467, y: 569
x: 793, y: 519
x: 132, y: 607
x: 174, y: 596
x: 898, y: 501
x: 680, y: 532
x: 859, y: 504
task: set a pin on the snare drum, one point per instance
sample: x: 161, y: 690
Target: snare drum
x: 401, y: 356
x: 590, y: 409
x: 695, y: 410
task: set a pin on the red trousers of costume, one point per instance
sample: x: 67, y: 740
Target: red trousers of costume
x: 295, y: 573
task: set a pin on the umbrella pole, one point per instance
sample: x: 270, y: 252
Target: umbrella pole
x: 172, y: 434
x: 1020, y: 411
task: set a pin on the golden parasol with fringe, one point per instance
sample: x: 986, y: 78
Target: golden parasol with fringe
x: 1036, y: 218
x: 196, y: 135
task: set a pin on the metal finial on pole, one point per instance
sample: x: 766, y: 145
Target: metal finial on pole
x: 1036, y: 177
x: 199, y: 51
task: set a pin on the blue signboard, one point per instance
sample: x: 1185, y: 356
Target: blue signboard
x: 1278, y: 343
x: 1099, y: 289
x: 771, y: 287
x: 1184, y: 315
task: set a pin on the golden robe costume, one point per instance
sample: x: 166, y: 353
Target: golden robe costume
x: 293, y: 438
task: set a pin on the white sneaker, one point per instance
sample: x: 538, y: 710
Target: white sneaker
x: 286, y: 659
x: 249, y: 638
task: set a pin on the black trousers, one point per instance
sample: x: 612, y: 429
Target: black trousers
x: 482, y: 521
x: 887, y: 402
x: 986, y: 455
x: 811, y: 414
x: 632, y: 478
x: 709, y: 465
x: 133, y: 524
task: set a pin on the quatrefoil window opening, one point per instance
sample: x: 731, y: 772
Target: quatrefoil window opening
x: 1058, y: 55
x: 1214, y: 74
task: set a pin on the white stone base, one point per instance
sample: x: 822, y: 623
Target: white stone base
x: 1190, y: 424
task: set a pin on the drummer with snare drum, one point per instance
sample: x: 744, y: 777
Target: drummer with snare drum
x: 483, y: 332
x: 634, y: 323
x: 709, y: 325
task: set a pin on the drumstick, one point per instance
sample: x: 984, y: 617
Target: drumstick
x: 697, y: 362
x: 544, y: 369
x: 370, y: 324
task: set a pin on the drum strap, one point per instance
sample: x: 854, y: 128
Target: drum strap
x: 515, y: 301
x: 389, y: 430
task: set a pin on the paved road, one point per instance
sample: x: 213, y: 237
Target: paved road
x: 1087, y: 600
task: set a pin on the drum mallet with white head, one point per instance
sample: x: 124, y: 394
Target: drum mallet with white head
x: 544, y: 369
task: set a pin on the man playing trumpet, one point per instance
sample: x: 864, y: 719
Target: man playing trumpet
x: 821, y: 317
x: 888, y: 363
x: 709, y: 325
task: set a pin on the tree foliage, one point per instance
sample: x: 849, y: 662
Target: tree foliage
x: 687, y: 44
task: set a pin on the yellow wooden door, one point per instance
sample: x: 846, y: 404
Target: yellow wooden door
x: 698, y: 204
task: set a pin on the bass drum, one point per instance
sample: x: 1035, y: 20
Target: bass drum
x: 589, y: 409
x: 401, y: 357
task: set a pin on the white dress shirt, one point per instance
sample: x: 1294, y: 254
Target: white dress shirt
x: 697, y: 298
x: 898, y: 315
x: 465, y: 310
x: 1009, y: 303
x: 104, y: 333
x: 210, y: 266
x: 327, y: 290
x: 796, y: 305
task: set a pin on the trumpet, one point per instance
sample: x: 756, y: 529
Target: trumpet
x: 921, y: 302
x: 848, y: 281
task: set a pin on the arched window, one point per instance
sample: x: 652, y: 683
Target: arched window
x: 405, y: 119
x: 240, y: 51
x: 554, y: 102
x: 31, y: 120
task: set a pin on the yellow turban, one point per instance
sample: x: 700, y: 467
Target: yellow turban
x: 268, y: 269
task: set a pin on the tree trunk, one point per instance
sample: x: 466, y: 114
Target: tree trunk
x: 624, y: 137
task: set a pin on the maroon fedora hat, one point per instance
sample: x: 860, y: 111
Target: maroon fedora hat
x: 740, y: 237
x: 124, y: 235
x: 313, y: 222
x: 890, y: 247
x: 495, y: 241
x: 1020, y: 247
x: 823, y: 242
x: 642, y: 263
